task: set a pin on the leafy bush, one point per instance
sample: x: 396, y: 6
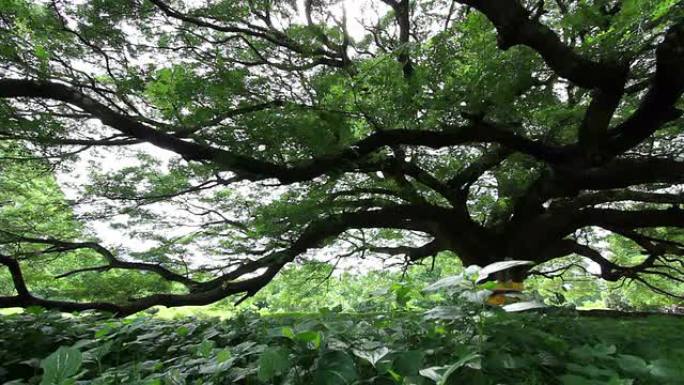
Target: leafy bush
x: 399, y: 347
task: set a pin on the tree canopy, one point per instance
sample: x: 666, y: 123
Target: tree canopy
x: 292, y: 130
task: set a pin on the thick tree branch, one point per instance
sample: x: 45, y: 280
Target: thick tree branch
x: 619, y: 173
x: 611, y: 218
x: 254, y: 169
x: 402, y: 10
x: 608, y: 196
x: 658, y: 106
x: 412, y: 253
x: 250, y: 168
x: 593, y: 132
x: 515, y: 26
x: 17, y: 277
x: 472, y: 172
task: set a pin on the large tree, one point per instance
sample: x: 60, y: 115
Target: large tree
x: 493, y: 129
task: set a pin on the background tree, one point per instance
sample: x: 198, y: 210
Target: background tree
x: 491, y: 129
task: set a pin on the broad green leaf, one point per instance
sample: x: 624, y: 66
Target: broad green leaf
x: 223, y: 355
x: 102, y: 350
x: 273, y: 361
x: 506, y: 361
x: 433, y: 373
x: 335, y: 368
x: 447, y: 282
x: 589, y: 353
x: 632, y: 364
x: 591, y: 371
x: 311, y: 338
x: 372, y: 356
x: 463, y: 361
x: 444, y: 312
x: 408, y: 363
x: 667, y: 370
x: 60, y: 366
x: 287, y: 332
x: 205, y: 348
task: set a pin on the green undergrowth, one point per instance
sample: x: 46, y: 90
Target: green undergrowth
x: 341, y: 348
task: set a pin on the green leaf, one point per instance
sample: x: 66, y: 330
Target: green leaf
x: 465, y: 360
x: 273, y: 361
x: 60, y: 366
x: 287, y: 332
x: 223, y: 355
x: 632, y: 364
x: 372, y: 356
x: 310, y: 337
x: 34, y: 310
x: 103, y: 331
x: 667, y: 369
x: 41, y: 53
x: 182, y: 331
x: 588, y: 353
x: 454, y: 280
x: 335, y: 368
x: 205, y: 348
x: 444, y: 312
x: 571, y: 379
x: 433, y: 373
x: 663, y: 8
x: 102, y: 350
x: 408, y: 363
x: 591, y: 371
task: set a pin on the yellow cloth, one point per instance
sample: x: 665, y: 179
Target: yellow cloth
x: 499, y: 297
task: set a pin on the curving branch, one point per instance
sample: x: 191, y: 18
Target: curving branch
x: 26, y: 299
x: 658, y: 106
x: 611, y: 218
x: 515, y: 26
x: 255, y: 169
x: 410, y: 217
x: 413, y: 254
x: 608, y: 196
x: 15, y: 272
x: 269, y: 33
x: 112, y: 260
x: 467, y: 176
x: 618, y: 173
x: 402, y: 15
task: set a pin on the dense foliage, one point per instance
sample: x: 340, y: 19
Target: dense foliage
x: 330, y: 348
x: 427, y: 325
